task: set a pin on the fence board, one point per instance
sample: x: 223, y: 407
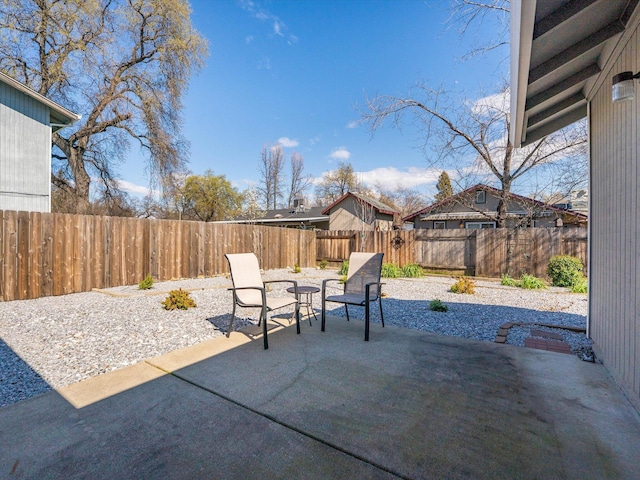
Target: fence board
x: 10, y: 224
x: 22, y: 267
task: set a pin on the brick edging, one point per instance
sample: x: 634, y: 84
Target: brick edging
x: 503, y: 331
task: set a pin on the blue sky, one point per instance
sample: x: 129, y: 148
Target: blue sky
x: 294, y: 72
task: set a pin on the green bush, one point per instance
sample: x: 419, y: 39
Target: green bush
x: 531, y: 283
x: 178, y: 299
x: 580, y: 285
x: 464, y: 285
x: 323, y: 264
x: 508, y: 281
x: 412, y: 270
x: 296, y: 268
x: 391, y: 270
x: 147, y: 283
x: 437, y: 306
x: 564, y: 270
x: 344, y: 269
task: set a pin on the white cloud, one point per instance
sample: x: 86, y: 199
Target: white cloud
x: 133, y: 188
x: 341, y: 153
x: 353, y: 124
x: 391, y: 177
x: 277, y: 27
x: 314, y: 140
x: 248, y: 39
x: 292, y: 39
x: 287, y: 142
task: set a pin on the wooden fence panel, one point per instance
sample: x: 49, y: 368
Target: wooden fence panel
x: 449, y: 250
x: 44, y: 254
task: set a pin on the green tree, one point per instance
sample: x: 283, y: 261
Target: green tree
x: 122, y: 64
x: 210, y: 197
x: 445, y: 190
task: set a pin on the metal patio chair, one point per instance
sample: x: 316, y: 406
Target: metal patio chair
x: 249, y: 291
x: 361, y: 287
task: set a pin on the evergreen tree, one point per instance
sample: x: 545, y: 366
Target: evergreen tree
x: 445, y: 190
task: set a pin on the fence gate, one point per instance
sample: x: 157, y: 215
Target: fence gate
x: 334, y: 246
x: 518, y: 254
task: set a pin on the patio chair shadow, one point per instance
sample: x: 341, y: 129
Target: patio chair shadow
x: 18, y: 381
x: 248, y: 325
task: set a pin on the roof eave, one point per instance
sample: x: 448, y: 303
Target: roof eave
x: 522, y: 23
x: 59, y: 116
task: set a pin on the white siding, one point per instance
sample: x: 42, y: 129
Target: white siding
x: 615, y: 227
x: 25, y: 152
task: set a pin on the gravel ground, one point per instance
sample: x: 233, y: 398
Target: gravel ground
x: 55, y: 341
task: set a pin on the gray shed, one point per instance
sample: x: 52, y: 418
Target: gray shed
x: 26, y: 122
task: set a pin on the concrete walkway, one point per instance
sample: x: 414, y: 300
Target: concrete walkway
x: 407, y: 404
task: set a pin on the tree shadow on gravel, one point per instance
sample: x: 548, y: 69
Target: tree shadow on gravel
x: 18, y: 381
x: 469, y: 320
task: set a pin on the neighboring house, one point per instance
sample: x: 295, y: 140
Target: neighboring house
x: 565, y: 57
x: 477, y: 207
x: 354, y: 211
x: 26, y: 122
x: 299, y: 216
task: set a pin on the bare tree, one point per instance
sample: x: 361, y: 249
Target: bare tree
x: 272, y: 175
x: 467, y: 16
x: 336, y: 183
x: 122, y: 64
x: 476, y: 134
x: 299, y: 181
x: 366, y: 213
x: 404, y: 200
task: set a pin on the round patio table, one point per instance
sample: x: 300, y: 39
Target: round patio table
x: 308, y: 292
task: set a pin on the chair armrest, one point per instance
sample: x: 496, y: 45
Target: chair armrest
x: 368, y: 286
x: 294, y: 282
x: 324, y: 284
x: 262, y: 291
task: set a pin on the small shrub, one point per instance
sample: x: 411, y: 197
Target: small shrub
x: 580, y: 285
x: 147, y: 283
x: 412, y: 270
x: 508, y: 281
x: 531, y: 283
x: 564, y: 270
x: 344, y: 269
x: 437, y: 306
x: 323, y: 264
x: 343, y: 279
x: 178, y: 299
x: 391, y: 270
x: 464, y: 285
x: 296, y: 268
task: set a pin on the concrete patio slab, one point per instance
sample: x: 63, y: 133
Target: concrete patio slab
x: 407, y: 404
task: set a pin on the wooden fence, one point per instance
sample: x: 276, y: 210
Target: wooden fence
x: 43, y: 254
x: 485, y: 252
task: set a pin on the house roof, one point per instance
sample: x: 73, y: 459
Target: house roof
x: 288, y: 215
x: 469, y: 191
x: 58, y: 115
x: 559, y: 48
x: 379, y: 206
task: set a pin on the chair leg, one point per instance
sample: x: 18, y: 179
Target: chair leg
x: 233, y: 316
x: 366, y: 321
x: 346, y: 309
x: 298, y: 318
x: 381, y: 316
x: 322, y: 314
x: 263, y: 317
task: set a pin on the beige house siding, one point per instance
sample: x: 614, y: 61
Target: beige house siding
x: 614, y: 310
x: 345, y: 217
